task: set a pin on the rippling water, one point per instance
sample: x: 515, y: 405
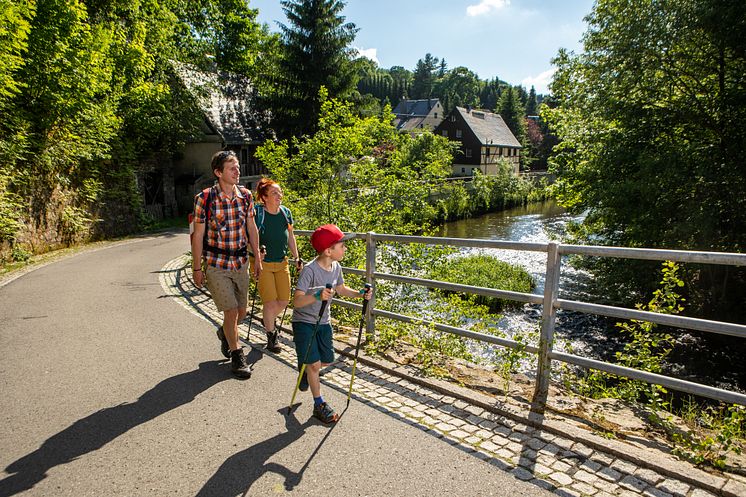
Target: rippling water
x: 693, y: 358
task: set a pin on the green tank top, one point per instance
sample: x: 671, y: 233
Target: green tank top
x: 274, y: 236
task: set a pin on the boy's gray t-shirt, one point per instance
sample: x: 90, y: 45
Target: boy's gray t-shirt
x: 312, y: 278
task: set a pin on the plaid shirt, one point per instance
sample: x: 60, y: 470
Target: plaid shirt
x: 227, y: 227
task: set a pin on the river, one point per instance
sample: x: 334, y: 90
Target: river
x: 586, y: 335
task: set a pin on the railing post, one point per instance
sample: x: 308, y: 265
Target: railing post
x: 548, y: 315
x: 370, y: 268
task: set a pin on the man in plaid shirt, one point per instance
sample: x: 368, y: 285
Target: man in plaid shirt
x: 223, y: 229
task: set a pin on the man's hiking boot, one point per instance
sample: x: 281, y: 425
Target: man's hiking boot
x: 239, y: 367
x: 324, y: 413
x: 273, y: 345
x: 303, y: 385
x: 224, y: 344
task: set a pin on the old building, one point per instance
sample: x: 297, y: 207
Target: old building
x: 485, y: 140
x: 412, y: 115
x: 232, y: 120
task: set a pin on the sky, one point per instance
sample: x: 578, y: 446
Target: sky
x: 513, y: 40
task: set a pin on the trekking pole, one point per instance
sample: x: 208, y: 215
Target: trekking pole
x: 368, y: 286
x: 262, y: 251
x: 308, y: 349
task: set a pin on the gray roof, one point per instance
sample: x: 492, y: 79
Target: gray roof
x: 414, y: 108
x: 488, y: 127
x: 229, y: 103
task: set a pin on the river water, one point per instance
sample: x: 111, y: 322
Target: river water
x: 586, y: 335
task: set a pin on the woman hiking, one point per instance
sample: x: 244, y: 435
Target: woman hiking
x: 274, y: 222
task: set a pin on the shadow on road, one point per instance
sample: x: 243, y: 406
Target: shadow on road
x: 98, y: 429
x: 239, y: 472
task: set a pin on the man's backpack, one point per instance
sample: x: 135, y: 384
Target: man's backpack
x: 259, y: 218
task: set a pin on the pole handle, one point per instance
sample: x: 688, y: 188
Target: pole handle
x: 324, y: 302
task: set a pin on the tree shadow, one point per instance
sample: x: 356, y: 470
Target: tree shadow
x: 240, y: 471
x: 94, y: 431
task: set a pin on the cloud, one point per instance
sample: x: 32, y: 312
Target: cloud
x: 540, y: 82
x: 485, y: 6
x: 368, y: 53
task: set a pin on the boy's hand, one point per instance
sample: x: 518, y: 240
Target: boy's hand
x: 367, y: 292
x: 327, y: 293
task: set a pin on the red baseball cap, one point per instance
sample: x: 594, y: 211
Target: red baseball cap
x: 327, y: 235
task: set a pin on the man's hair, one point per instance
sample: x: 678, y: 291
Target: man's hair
x: 220, y: 158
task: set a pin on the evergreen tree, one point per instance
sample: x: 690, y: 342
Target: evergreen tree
x: 512, y: 112
x: 531, y: 105
x: 424, y: 77
x: 316, y: 53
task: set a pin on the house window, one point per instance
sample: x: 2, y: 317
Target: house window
x: 463, y: 169
x: 453, y: 119
x: 458, y: 133
x: 436, y: 115
x: 244, y: 162
x: 468, y: 152
x: 445, y: 133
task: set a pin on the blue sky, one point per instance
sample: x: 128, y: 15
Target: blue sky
x: 511, y: 39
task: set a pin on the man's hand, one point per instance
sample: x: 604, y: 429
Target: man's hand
x: 199, y: 278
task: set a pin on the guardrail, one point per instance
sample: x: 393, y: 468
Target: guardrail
x: 551, y: 303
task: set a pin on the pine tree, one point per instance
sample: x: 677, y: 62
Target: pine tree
x: 531, y: 105
x: 512, y: 112
x: 316, y: 53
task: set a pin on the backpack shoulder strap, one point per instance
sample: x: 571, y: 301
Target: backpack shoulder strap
x: 286, y: 214
x: 259, y: 218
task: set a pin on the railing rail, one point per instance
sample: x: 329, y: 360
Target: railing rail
x: 551, y: 303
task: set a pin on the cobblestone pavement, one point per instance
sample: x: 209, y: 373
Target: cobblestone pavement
x: 562, y: 465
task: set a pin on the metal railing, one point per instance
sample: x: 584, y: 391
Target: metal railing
x: 551, y: 303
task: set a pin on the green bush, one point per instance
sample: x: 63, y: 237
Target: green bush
x: 487, y: 272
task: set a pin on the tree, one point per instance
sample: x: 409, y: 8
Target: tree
x: 459, y: 87
x: 316, y: 53
x: 531, y: 105
x: 424, y: 77
x: 359, y: 172
x: 512, y: 112
x: 651, y: 119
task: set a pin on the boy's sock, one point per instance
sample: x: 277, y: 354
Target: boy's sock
x: 317, y: 401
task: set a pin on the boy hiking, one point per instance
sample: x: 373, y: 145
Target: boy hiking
x: 313, y: 333
x: 223, y: 228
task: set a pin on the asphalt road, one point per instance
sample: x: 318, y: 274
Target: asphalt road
x: 109, y: 387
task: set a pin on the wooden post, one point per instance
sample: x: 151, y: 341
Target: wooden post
x: 549, y: 313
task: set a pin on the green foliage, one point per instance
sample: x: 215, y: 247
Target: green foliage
x: 650, y: 120
x: 513, y: 111
x: 711, y: 433
x: 487, y: 272
x: 646, y: 350
x: 90, y: 106
x: 359, y: 172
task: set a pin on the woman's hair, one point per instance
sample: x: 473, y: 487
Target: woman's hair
x: 220, y: 158
x: 262, y: 188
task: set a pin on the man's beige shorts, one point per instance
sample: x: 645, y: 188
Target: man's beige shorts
x: 229, y: 289
x: 274, y: 280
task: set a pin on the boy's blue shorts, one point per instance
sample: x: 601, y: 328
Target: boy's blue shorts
x: 321, y: 347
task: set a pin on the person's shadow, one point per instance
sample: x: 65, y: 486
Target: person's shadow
x: 98, y: 429
x: 239, y: 472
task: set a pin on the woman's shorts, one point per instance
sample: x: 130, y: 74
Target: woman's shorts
x: 229, y: 289
x: 321, y: 346
x: 274, y: 281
